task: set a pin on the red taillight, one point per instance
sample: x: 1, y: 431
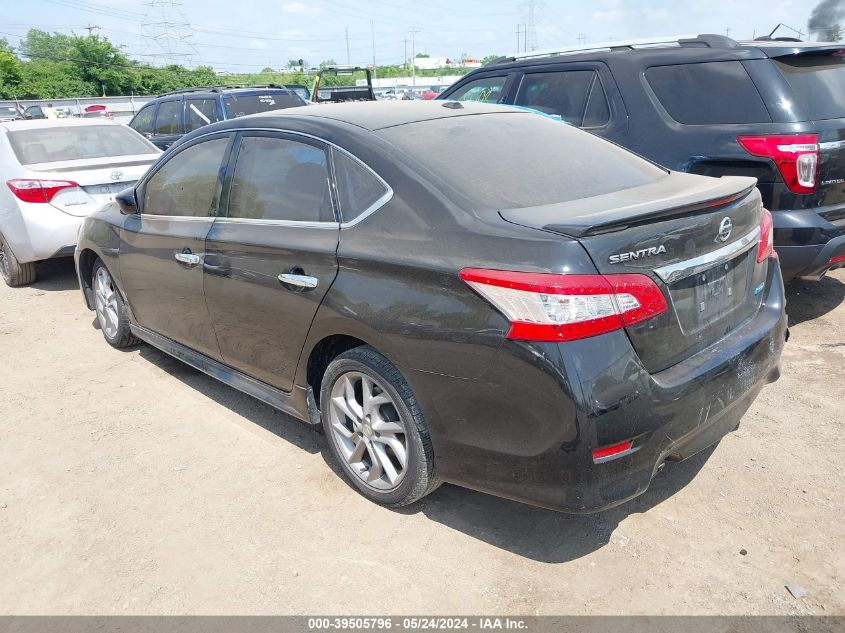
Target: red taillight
x: 37, y: 190
x: 837, y: 259
x: 615, y: 450
x: 549, y: 307
x: 765, y: 247
x: 796, y: 157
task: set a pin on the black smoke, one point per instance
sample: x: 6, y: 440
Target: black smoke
x: 825, y: 18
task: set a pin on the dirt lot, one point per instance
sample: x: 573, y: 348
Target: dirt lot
x: 130, y: 483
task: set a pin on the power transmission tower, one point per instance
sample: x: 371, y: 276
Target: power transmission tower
x: 531, y: 28
x: 518, y: 33
x: 167, y: 28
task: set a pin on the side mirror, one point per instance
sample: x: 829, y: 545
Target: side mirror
x: 126, y: 201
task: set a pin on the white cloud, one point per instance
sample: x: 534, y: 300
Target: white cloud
x: 300, y: 8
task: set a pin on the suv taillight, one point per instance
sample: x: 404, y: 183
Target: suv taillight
x: 765, y: 247
x: 549, y: 307
x: 796, y: 157
x: 38, y: 191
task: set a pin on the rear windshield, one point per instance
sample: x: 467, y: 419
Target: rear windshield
x: 818, y: 82
x: 515, y: 160
x: 53, y: 144
x: 241, y: 105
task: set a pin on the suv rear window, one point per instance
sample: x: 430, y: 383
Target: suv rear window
x: 243, y: 104
x: 519, y: 159
x: 708, y: 93
x: 818, y: 82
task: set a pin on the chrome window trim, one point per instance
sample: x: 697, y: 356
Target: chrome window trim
x: 378, y: 204
x: 263, y: 222
x: 671, y: 273
x: 172, y: 218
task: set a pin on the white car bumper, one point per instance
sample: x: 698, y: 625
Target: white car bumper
x: 43, y: 232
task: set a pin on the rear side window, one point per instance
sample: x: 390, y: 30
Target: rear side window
x: 818, y: 82
x: 519, y: 159
x: 358, y: 188
x: 709, y: 93
x: 576, y: 96
x: 169, y: 119
x: 280, y: 179
x: 187, y: 183
x: 486, y: 90
x: 199, y: 112
x: 241, y: 105
x: 143, y: 121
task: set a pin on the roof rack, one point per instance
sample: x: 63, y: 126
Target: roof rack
x: 709, y: 40
x: 220, y: 88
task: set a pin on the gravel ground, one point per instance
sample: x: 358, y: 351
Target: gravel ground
x: 132, y: 484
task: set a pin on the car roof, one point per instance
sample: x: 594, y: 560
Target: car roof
x: 706, y: 45
x: 376, y: 115
x: 31, y: 124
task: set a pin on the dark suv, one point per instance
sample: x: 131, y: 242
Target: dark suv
x: 774, y: 110
x: 167, y: 118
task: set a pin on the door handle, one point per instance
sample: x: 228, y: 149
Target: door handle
x: 187, y: 258
x: 300, y: 281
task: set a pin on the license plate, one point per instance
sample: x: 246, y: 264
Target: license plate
x: 714, y: 292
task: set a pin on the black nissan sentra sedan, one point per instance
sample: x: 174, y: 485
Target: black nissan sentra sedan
x: 457, y: 292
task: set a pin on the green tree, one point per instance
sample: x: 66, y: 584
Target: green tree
x: 328, y: 62
x: 100, y: 62
x: 43, y: 45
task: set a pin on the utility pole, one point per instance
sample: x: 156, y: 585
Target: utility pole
x: 91, y: 28
x: 414, y: 32
x: 582, y: 38
x: 728, y: 32
x: 373, y: 31
x: 405, y: 59
x: 518, y: 31
x: 347, y: 47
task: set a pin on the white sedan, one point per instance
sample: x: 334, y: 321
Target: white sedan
x: 54, y: 172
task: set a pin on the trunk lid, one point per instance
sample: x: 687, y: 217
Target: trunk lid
x: 695, y: 236
x: 98, y: 179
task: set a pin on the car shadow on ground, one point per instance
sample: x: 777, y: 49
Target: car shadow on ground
x: 280, y: 424
x: 808, y: 300
x: 55, y: 274
x: 535, y: 533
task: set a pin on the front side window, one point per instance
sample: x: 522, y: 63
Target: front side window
x: 358, y: 188
x: 199, y: 112
x: 576, y: 96
x: 486, y: 90
x: 143, y: 121
x: 169, y: 119
x: 187, y: 184
x: 280, y: 179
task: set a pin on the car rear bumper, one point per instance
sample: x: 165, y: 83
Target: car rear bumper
x: 807, y: 239
x: 526, y: 429
x: 811, y: 262
x: 46, y: 232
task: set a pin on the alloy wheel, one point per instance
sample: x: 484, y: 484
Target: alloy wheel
x: 105, y: 300
x: 368, y: 430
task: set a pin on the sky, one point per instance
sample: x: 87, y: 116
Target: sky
x: 248, y: 35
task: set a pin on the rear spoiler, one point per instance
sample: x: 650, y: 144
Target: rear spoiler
x: 671, y: 196
x: 800, y: 49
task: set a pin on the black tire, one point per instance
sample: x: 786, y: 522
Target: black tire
x: 13, y: 272
x: 420, y: 477
x: 122, y: 335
